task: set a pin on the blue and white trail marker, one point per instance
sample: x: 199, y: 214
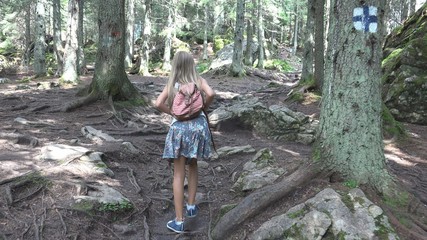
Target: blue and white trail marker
x: 365, y: 19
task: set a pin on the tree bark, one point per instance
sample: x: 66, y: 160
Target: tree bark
x: 295, y: 45
x: 260, y: 36
x: 237, y: 69
x: 350, y: 133
x: 71, y: 57
x: 110, y: 80
x: 130, y: 33
x: 27, y: 35
x: 146, y: 29
x: 319, y: 44
x: 308, y: 56
x: 168, y: 40
x: 57, y: 40
x: 40, y: 45
x: 205, y: 33
x: 253, y: 204
x: 82, y: 69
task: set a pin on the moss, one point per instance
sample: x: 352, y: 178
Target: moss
x: 392, y: 60
x: 298, y: 213
x: 346, y: 199
x: 397, y: 200
x: 360, y: 200
x: 391, y: 126
x: 277, y: 64
x: 218, y: 43
x: 294, y: 232
x: 85, y: 206
x: 116, y: 207
x: 351, y: 183
x: 382, y: 231
x: 297, y: 96
x: 225, y: 209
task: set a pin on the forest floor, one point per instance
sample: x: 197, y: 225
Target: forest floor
x: 45, y: 212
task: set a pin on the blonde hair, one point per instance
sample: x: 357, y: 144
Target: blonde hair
x: 183, y: 71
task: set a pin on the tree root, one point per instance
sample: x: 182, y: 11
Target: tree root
x: 261, y: 199
x: 92, y: 97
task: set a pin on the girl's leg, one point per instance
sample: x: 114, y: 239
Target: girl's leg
x: 192, y: 181
x: 178, y: 187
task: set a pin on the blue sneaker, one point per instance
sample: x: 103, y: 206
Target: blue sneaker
x: 178, y: 228
x: 191, y: 212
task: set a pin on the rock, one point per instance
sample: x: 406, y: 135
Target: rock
x: 404, y: 78
x: 259, y: 172
x: 329, y: 215
x: 276, y: 122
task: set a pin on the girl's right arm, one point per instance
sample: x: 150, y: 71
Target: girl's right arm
x: 161, y: 99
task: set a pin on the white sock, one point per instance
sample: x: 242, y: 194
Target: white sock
x: 178, y: 222
x: 191, y: 207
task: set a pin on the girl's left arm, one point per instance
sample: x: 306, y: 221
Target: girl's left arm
x: 161, y: 99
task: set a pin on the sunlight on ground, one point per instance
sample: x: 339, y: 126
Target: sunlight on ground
x: 226, y: 95
x: 295, y: 154
x: 392, y: 153
x: 310, y: 98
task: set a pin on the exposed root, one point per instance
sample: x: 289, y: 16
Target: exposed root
x: 259, y: 200
x: 92, y: 97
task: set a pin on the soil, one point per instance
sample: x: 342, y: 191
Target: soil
x: 46, y: 211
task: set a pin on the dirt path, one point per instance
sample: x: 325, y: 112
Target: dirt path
x: 46, y: 212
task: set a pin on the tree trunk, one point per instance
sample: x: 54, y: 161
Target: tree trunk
x: 295, y: 48
x: 146, y: 31
x: 130, y: 33
x: 57, y: 40
x: 249, y: 42
x: 110, y: 79
x: 350, y: 135
x: 260, y: 36
x: 168, y: 41
x: 82, y: 69
x: 308, y: 56
x: 71, y: 59
x: 205, y: 33
x: 319, y: 44
x: 40, y: 45
x: 27, y: 36
x: 237, y: 69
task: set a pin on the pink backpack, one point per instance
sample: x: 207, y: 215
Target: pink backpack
x: 188, y: 102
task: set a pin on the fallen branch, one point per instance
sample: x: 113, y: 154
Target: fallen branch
x: 261, y: 199
x: 132, y: 180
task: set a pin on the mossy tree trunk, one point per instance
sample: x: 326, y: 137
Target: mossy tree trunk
x: 237, y: 63
x: 110, y: 78
x: 130, y: 33
x: 350, y: 139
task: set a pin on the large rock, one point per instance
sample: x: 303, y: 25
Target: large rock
x: 404, y: 67
x: 225, y: 55
x: 329, y: 215
x: 276, y: 122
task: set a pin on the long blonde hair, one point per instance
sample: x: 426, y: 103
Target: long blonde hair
x: 183, y: 71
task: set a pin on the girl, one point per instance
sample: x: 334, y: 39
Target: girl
x: 186, y: 140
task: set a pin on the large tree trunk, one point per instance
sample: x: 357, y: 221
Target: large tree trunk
x: 146, y: 30
x: 319, y: 44
x: 39, y: 45
x: 237, y: 62
x: 110, y: 78
x: 250, y: 27
x: 260, y: 35
x: 130, y: 33
x: 350, y: 135
x: 71, y: 57
x: 307, y: 60
x: 57, y: 40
